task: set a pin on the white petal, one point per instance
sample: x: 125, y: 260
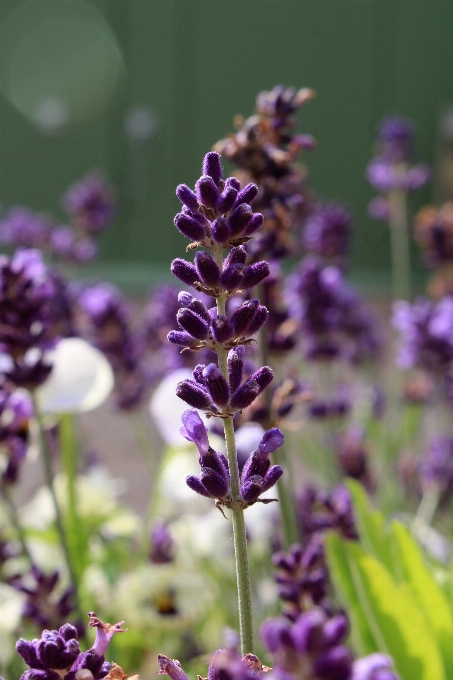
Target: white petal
x: 166, y: 408
x: 81, y: 379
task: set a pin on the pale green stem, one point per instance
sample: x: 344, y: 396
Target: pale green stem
x: 58, y: 518
x: 68, y: 450
x: 428, y: 506
x: 239, y: 530
x: 16, y: 523
x: 399, y: 234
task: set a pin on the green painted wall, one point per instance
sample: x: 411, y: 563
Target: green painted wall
x: 196, y: 63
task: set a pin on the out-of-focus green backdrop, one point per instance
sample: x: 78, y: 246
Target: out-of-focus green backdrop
x: 143, y: 88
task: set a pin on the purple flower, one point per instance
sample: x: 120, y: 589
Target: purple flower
x: 24, y: 228
x: 327, y: 231
x: 195, y: 431
x: 91, y: 203
x: 258, y: 475
x: 162, y: 546
x: 426, y: 333
x: 16, y: 409
x: 375, y: 666
x: 436, y: 466
x: 396, y: 136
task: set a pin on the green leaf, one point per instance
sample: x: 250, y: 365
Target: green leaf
x: 371, y: 526
x: 340, y: 573
x: 427, y: 592
x: 393, y: 616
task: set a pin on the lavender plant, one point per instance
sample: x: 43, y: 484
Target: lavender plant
x: 216, y: 216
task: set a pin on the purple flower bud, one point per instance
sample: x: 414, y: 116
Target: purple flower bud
x: 263, y: 376
x: 417, y: 176
x: 375, y: 666
x: 334, y: 664
x: 28, y: 652
x: 171, y: 667
x: 193, y: 394
x: 189, y: 227
x: 196, y: 485
x: 243, y: 316
x: 212, y: 166
x: 235, y: 368
x: 308, y: 631
x: 272, y: 440
x: 222, y: 329
x: 217, y: 385
x: 200, y: 308
x: 187, y: 197
x: 247, y: 194
x: 184, y: 271
x: 258, y: 320
x: 68, y: 632
x: 185, y: 299
x: 213, y: 482
x: 255, y: 223
x: 240, y: 219
x: 194, y: 430
x: 271, y: 477
x: 181, y: 338
x: 207, y: 192
x: 198, y: 374
x: 220, y: 230
x: 233, y: 182
x: 245, y: 395
x: 252, y: 489
x: 236, y: 255
x: 226, y: 200
x: 276, y: 636
x: 192, y: 323
x: 207, y: 269
x: 336, y: 629
x: 255, y: 273
x: 231, y: 278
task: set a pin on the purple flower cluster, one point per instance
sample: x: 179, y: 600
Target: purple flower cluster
x: 334, y: 320
x: 320, y: 511
x: 105, y: 320
x: 434, y: 233
x: 212, y: 392
x: 258, y: 475
x: 16, y: 409
x: 264, y: 149
x: 162, y: 545
x: 311, y: 646
x: 44, y: 605
x: 353, y: 456
x: 327, y: 231
x: 91, y: 203
x: 200, y: 327
x: 391, y: 169
x: 226, y: 664
x: 57, y: 653
x: 426, y: 330
x: 28, y: 325
x: 24, y: 228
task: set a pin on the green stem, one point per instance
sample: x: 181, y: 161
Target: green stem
x: 399, y: 231
x: 239, y: 530
x: 16, y: 523
x: 58, y: 518
x: 69, y: 464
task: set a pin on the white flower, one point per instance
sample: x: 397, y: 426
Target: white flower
x: 81, y: 379
x: 166, y: 408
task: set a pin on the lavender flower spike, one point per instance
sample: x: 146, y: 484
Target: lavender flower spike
x: 194, y: 430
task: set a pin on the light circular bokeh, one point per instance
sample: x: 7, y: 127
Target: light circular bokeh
x: 59, y: 62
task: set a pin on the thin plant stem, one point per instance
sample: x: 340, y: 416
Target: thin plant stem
x: 16, y: 523
x: 239, y: 530
x: 399, y: 234
x: 58, y: 518
x: 68, y: 450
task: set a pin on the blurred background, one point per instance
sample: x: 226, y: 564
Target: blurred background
x: 143, y: 88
